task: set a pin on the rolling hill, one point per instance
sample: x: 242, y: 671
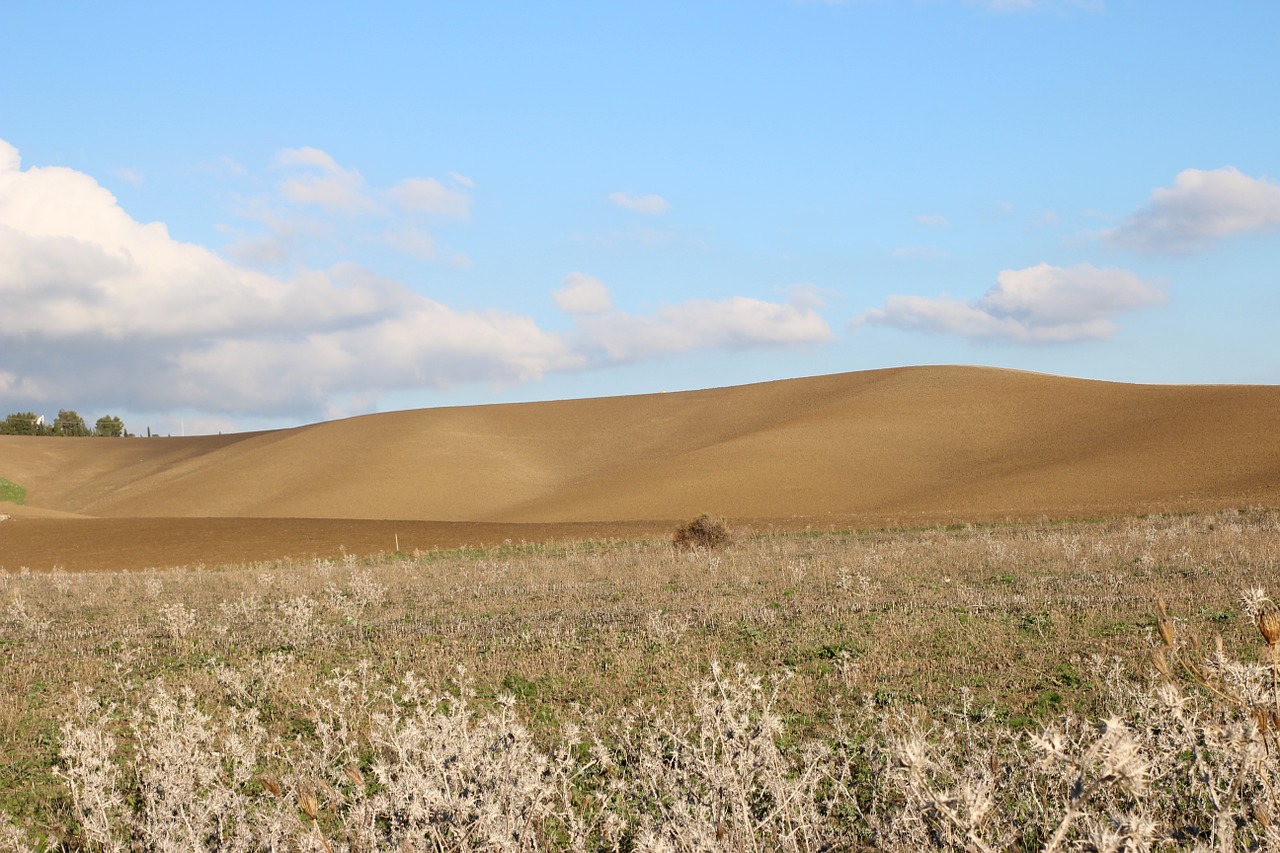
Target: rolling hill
x: 908, y: 445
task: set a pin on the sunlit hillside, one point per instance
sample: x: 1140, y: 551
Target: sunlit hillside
x: 898, y: 446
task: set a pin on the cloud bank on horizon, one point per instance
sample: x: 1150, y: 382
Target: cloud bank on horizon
x: 103, y: 308
x: 558, y: 203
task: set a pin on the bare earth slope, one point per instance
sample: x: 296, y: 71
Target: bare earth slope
x: 909, y: 445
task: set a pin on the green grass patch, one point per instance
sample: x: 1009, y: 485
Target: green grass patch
x: 11, y: 492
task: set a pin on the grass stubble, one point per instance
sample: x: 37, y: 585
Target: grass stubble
x: 974, y: 688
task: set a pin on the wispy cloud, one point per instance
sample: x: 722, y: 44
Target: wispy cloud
x: 316, y: 198
x: 287, y: 234
x: 428, y: 195
x: 933, y: 220
x: 324, y: 183
x: 133, y: 177
x: 412, y: 241
x: 1037, y: 305
x: 650, y: 205
x: 1200, y: 208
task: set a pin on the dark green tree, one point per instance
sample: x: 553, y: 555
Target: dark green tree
x: 109, y: 425
x: 69, y: 423
x: 21, y: 423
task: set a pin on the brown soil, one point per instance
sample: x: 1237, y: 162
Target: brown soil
x: 902, y: 447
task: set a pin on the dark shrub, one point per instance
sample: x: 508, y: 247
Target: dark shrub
x: 703, y: 532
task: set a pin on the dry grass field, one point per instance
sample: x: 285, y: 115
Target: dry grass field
x: 936, y: 625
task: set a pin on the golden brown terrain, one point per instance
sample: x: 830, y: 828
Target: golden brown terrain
x: 905, y: 446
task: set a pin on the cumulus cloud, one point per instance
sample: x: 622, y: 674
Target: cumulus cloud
x: 102, y: 310
x: 1036, y: 305
x: 582, y: 294
x: 10, y: 160
x: 418, y: 343
x: 650, y: 205
x: 1200, y: 208
x: 739, y: 322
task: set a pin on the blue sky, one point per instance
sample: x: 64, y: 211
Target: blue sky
x: 224, y: 216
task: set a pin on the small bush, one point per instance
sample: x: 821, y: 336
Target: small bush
x: 703, y: 532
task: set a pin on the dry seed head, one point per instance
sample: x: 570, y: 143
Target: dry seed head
x: 1164, y: 623
x: 308, y: 803
x: 1161, y: 665
x: 354, y: 774
x: 269, y: 784
x: 1269, y: 622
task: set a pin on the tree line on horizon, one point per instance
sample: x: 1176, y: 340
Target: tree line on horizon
x: 68, y: 422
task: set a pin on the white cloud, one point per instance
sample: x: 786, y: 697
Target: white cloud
x: 326, y: 184
x: 286, y: 235
x: 739, y: 322
x: 933, y: 220
x: 317, y: 198
x: 308, y: 157
x: 1036, y: 305
x: 1200, y: 208
x: 420, y: 343
x: 102, y: 310
x: 412, y: 241
x: 428, y: 195
x: 260, y: 251
x: 650, y: 205
x: 582, y: 294
x: 10, y: 160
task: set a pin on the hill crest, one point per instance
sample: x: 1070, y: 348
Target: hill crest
x: 905, y: 441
